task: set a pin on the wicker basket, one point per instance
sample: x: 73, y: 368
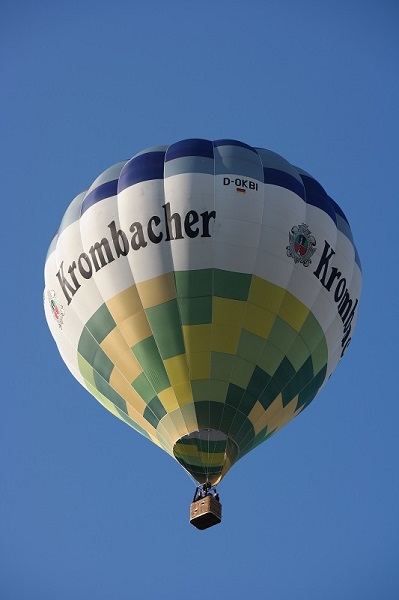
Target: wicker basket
x: 205, y: 512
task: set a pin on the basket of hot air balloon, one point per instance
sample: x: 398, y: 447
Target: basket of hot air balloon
x: 203, y: 292
x: 205, y: 509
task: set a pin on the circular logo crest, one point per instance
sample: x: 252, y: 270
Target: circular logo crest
x: 302, y: 244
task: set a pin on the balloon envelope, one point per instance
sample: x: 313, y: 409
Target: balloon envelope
x: 203, y: 292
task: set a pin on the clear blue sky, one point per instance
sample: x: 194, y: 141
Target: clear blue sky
x: 90, y: 509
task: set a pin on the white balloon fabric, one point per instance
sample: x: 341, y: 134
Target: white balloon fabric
x: 203, y: 292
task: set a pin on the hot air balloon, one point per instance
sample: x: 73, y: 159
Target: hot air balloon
x: 203, y: 292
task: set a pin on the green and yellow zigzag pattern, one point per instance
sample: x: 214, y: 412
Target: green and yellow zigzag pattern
x: 203, y: 350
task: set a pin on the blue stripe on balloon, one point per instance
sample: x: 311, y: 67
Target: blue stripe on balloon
x: 106, y: 190
x: 283, y: 179
x: 339, y: 210
x: 237, y: 159
x: 190, y: 147
x: 316, y: 196
x: 217, y: 143
x: 143, y: 167
x: 343, y: 227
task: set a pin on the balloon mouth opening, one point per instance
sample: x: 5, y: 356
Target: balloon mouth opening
x: 207, y: 454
